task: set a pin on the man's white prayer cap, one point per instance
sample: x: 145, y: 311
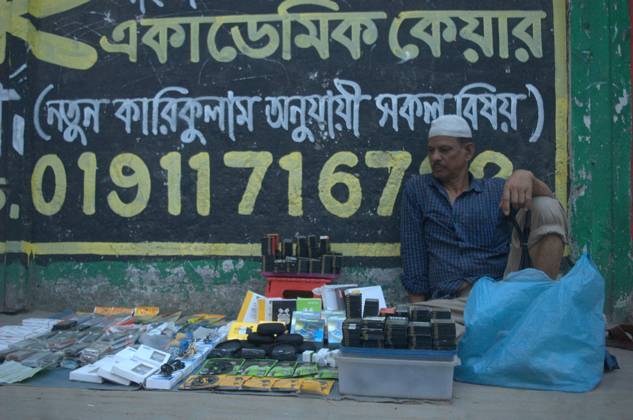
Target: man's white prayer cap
x: 450, y: 126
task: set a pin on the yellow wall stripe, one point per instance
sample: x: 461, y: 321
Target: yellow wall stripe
x: 180, y: 249
x: 562, y: 98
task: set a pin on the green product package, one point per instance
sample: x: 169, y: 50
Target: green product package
x: 327, y: 373
x: 221, y: 366
x: 258, y: 367
x: 283, y: 369
x: 306, y: 369
x: 309, y: 304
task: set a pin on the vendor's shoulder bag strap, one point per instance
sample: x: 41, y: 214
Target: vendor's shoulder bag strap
x: 524, y: 235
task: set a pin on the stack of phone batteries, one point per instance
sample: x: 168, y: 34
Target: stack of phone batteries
x: 396, y: 329
x: 444, y: 334
x: 373, y: 332
x: 420, y: 314
x: 415, y: 327
x: 351, y: 332
x: 440, y: 313
x: 420, y: 335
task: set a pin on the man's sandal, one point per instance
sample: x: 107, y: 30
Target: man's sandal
x: 620, y: 336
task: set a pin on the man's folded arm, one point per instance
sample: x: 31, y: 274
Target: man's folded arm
x: 412, y: 246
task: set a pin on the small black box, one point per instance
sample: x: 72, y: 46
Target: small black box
x: 302, y: 247
x: 324, y: 245
x: 441, y: 313
x: 372, y: 307
x: 287, y: 248
x: 420, y: 313
x: 313, y: 247
x: 268, y: 263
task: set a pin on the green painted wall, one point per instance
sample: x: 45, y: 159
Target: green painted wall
x: 600, y: 104
x: 14, y: 285
x: 211, y: 285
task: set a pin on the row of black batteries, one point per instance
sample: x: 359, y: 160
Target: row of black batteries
x: 300, y: 247
x: 355, y: 308
x: 420, y: 329
x: 304, y: 254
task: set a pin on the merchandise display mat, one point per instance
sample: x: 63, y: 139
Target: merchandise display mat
x: 58, y: 378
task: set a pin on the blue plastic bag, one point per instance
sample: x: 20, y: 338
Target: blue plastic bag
x: 528, y: 331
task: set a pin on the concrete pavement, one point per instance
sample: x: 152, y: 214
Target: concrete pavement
x: 613, y: 399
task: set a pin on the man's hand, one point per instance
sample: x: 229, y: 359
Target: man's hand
x: 517, y: 191
x: 416, y: 298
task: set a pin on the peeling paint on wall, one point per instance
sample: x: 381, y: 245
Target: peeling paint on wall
x: 622, y: 102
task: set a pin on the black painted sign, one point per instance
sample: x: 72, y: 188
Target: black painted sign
x: 158, y: 127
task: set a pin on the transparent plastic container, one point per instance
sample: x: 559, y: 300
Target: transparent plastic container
x: 396, y: 378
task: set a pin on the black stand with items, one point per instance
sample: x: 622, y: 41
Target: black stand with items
x: 293, y: 268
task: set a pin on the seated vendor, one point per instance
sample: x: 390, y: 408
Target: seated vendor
x: 455, y: 230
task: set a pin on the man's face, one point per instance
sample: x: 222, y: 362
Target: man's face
x: 449, y: 157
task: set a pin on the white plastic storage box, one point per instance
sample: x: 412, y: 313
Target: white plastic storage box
x: 398, y: 378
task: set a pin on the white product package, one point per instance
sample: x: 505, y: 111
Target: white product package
x: 143, y: 363
x: 106, y: 368
x: 105, y: 371
x: 159, y: 381
x: 88, y: 373
x: 332, y: 295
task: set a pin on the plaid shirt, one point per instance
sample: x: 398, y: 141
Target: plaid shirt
x: 443, y: 245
